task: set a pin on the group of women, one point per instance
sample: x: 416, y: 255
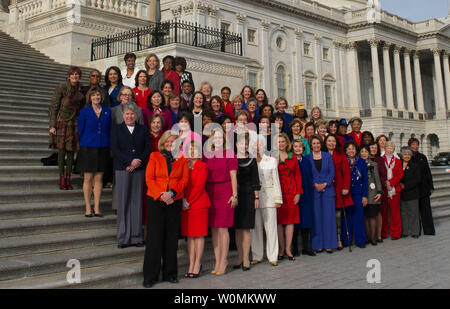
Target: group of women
x: 252, y: 167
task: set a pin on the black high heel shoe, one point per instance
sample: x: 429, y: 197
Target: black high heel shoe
x: 237, y: 266
x: 291, y: 258
x: 98, y: 214
x: 192, y: 275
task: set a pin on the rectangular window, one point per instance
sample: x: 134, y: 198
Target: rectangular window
x: 253, y: 80
x: 309, y: 95
x: 326, y: 54
x: 328, y: 97
x: 225, y: 26
x: 307, y: 49
x: 251, y: 36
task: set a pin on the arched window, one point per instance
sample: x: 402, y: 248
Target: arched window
x: 281, y: 81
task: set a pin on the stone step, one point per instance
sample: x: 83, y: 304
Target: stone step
x: 49, y: 209
x: 439, y: 196
x: 56, y: 242
x: 441, y: 215
x: 9, y: 51
x: 4, y: 119
x: 17, y: 171
x: 24, y: 135
x: 44, y: 82
x: 47, y: 90
x: 13, y: 105
x: 114, y: 276
x: 43, y: 128
x: 24, y: 97
x: 36, y: 65
x: 19, y: 151
x: 54, y: 224
x: 50, y: 263
x: 24, y: 114
x: 440, y: 205
x: 30, y: 160
x: 442, y: 185
x: 25, y: 142
x: 41, y: 195
x: 36, y: 182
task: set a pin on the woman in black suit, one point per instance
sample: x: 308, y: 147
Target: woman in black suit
x: 409, y: 207
x: 130, y: 144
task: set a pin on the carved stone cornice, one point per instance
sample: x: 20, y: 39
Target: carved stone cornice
x: 176, y: 11
x: 188, y: 8
x: 202, y: 7
x: 212, y: 10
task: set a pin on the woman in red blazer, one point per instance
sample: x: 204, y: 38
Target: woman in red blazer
x: 341, y: 180
x: 166, y: 178
x: 394, y: 168
x: 194, y: 217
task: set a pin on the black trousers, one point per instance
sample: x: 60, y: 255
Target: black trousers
x: 163, y: 226
x: 426, y: 216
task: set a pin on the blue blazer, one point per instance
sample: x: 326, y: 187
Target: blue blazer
x: 126, y: 146
x: 326, y: 174
x: 94, y: 131
x: 359, y: 182
x: 113, y: 96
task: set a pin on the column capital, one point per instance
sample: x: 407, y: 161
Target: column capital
x: 265, y: 24
x: 298, y: 32
x: 213, y: 10
x: 337, y: 44
x: 241, y: 18
x: 374, y: 42
x: 318, y: 37
x: 416, y: 54
x: 406, y: 52
x: 397, y: 49
x: 352, y: 46
x: 445, y: 55
x: 387, y: 45
x: 436, y: 51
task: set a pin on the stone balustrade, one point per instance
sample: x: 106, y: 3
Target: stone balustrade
x: 28, y: 9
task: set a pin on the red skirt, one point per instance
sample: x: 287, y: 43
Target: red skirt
x: 288, y: 213
x: 194, y: 222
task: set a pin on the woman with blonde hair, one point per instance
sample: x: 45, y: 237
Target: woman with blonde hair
x: 207, y: 90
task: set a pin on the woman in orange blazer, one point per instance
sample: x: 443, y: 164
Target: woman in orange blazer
x: 194, y: 217
x: 166, y: 179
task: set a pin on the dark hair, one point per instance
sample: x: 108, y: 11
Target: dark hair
x: 252, y: 93
x: 313, y: 137
x: 263, y: 117
x: 180, y: 61
x: 366, y: 133
x: 295, y: 121
x: 210, y: 114
x: 186, y: 81
x: 165, y: 82
x: 349, y: 143
x: 128, y: 56
x: 191, y: 104
x: 149, y: 100
x: 161, y: 118
x: 279, y: 116
x: 413, y: 140
x: 338, y: 144
x: 91, y: 91
x: 304, y: 111
x: 310, y: 124
x: 378, y: 147
x: 74, y: 69
x: 335, y: 122
x: 264, y: 106
x: 266, y: 99
x: 119, y: 81
x: 379, y: 137
x: 136, y: 79
x: 217, y: 98
x: 225, y: 88
x: 188, y: 116
x: 366, y: 147
x: 169, y: 57
x: 221, y: 119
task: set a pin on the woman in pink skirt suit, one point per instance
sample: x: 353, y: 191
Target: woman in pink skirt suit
x: 222, y: 190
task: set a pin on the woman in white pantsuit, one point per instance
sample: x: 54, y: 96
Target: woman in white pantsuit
x: 270, y: 199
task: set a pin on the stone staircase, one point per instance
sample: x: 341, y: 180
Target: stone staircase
x: 41, y: 227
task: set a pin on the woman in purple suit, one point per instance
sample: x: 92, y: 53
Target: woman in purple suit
x: 324, y: 216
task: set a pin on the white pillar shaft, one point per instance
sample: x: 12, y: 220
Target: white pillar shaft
x: 398, y: 81
x: 376, y: 75
x: 353, y: 78
x: 409, y: 85
x: 419, y: 89
x: 447, y: 80
x: 440, y: 100
x: 388, y: 79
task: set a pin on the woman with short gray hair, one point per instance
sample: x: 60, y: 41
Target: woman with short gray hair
x: 409, y: 206
x: 130, y: 145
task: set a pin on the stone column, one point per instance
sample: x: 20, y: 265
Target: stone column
x: 337, y: 65
x: 447, y: 78
x: 409, y: 85
x: 398, y: 79
x: 318, y: 62
x: 418, y: 80
x: 441, y: 110
x: 298, y: 70
x: 376, y: 76
x: 241, y: 29
x: 353, y: 78
x: 265, y: 57
x: 388, y: 76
